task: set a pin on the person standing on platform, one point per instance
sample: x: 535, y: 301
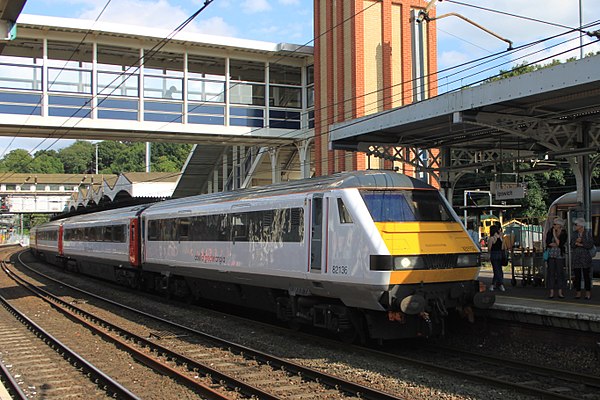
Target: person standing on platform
x: 496, y: 249
x: 556, y: 239
x: 581, y: 260
x: 474, y: 234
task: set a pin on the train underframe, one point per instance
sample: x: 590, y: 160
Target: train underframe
x: 411, y: 310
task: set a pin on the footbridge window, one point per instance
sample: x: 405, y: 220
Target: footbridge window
x: 247, y: 93
x: 206, y: 90
x: 69, y: 80
x: 163, y: 87
x: 118, y: 82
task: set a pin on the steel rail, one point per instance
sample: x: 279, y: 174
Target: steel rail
x: 11, y: 384
x: 84, y: 318
x: 328, y: 380
x: 113, y: 386
x: 588, y: 380
x: 457, y: 372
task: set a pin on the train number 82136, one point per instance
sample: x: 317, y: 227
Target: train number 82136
x: 339, y: 269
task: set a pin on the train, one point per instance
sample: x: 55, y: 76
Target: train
x: 486, y: 223
x: 365, y: 255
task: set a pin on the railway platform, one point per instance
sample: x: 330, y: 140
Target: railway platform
x: 530, y: 304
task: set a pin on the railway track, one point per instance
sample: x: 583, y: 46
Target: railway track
x: 57, y: 368
x: 36, y: 364
x: 237, y: 369
x: 108, y: 363
x: 496, y: 373
x: 503, y: 373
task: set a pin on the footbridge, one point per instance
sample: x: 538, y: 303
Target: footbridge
x: 246, y: 105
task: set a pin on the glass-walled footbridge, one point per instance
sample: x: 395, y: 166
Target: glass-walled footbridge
x: 61, y: 79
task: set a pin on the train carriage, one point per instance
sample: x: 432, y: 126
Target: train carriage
x: 104, y: 244
x: 46, y: 241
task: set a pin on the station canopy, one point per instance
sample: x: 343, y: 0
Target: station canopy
x: 548, y: 114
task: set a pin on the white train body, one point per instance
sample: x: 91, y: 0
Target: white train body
x: 369, y: 251
x: 46, y: 240
x: 345, y: 248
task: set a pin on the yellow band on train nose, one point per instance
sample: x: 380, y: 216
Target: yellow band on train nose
x: 433, y: 275
x: 415, y: 238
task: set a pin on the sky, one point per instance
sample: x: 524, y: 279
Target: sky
x: 291, y: 21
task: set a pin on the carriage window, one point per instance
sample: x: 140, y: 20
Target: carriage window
x: 108, y: 233
x: 239, y: 227
x: 281, y: 225
x: 153, y: 229
x: 118, y: 234
x: 184, y: 228
x: 344, y: 214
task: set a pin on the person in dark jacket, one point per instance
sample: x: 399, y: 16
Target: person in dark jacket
x: 581, y: 259
x: 496, y: 249
x: 556, y: 240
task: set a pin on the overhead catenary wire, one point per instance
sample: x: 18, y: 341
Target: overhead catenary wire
x: 152, y: 51
x: 405, y: 83
x: 259, y: 128
x: 174, y: 174
x: 535, y: 62
x: 516, y: 16
x: 471, y: 83
x: 60, y: 71
x: 325, y: 106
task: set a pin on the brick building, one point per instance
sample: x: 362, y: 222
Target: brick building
x: 369, y: 56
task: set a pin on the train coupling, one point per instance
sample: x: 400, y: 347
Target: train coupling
x: 413, y: 304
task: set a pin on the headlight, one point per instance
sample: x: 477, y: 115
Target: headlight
x: 467, y: 260
x: 408, y: 262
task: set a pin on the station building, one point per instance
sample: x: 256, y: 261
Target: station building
x: 55, y: 193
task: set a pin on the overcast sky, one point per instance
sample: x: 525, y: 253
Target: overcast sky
x: 292, y: 21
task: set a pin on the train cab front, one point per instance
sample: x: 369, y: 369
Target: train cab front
x: 427, y: 306
x: 424, y: 290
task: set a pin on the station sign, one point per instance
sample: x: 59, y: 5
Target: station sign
x: 508, y: 191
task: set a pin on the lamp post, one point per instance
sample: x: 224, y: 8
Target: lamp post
x: 580, y: 30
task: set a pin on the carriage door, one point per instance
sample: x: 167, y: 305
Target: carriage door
x: 316, y: 233
x: 134, y: 243
x: 60, y: 240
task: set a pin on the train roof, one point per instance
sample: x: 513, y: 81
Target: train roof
x: 50, y: 225
x: 125, y: 212
x: 571, y: 197
x: 374, y: 179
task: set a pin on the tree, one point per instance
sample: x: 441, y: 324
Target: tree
x: 132, y: 159
x: 32, y: 220
x: 169, y: 157
x: 523, y: 68
x: 78, y: 158
x: 17, y: 161
x: 47, y: 162
x: 108, y: 152
x: 165, y: 164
